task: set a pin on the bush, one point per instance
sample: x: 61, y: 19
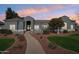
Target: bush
x: 65, y: 31
x: 5, y: 31
x: 45, y: 31
x: 53, y: 30
x: 52, y: 45
x: 76, y: 34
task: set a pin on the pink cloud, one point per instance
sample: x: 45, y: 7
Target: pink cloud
x: 2, y: 17
x: 30, y: 11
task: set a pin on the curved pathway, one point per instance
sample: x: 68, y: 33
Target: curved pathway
x: 33, y: 46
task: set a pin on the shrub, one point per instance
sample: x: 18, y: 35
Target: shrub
x: 65, y: 31
x: 21, y: 38
x: 45, y: 31
x: 52, y: 45
x: 53, y: 30
x: 5, y: 31
x: 76, y: 34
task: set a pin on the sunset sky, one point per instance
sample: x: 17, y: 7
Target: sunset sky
x: 42, y: 11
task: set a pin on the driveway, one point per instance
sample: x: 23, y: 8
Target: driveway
x: 33, y: 45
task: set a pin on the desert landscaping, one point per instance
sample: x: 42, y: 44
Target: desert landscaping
x: 18, y: 46
x: 54, y: 47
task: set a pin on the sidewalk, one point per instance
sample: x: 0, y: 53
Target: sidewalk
x: 33, y: 45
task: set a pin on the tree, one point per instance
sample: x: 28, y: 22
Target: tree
x: 11, y: 14
x: 15, y: 14
x: 56, y: 23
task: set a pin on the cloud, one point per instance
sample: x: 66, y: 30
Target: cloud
x: 31, y: 11
x: 35, y: 11
x: 2, y: 17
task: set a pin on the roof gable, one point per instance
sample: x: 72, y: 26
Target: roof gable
x: 29, y: 18
x: 13, y: 19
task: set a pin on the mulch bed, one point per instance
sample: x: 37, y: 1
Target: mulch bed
x: 45, y: 44
x: 19, y: 47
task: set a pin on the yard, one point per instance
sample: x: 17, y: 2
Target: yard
x: 70, y: 42
x: 6, y: 43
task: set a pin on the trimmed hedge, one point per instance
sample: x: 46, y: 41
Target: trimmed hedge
x: 5, y: 31
x: 45, y: 31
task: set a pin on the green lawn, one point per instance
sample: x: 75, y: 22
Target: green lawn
x: 69, y: 42
x: 6, y: 43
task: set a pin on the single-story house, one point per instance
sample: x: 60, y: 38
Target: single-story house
x: 19, y: 25
x: 70, y: 25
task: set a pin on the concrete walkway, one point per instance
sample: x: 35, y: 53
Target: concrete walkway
x: 33, y: 45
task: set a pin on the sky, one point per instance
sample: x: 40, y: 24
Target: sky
x: 42, y: 11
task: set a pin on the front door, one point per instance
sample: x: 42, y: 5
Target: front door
x: 28, y: 25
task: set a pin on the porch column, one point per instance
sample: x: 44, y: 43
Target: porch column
x: 17, y: 26
x: 25, y: 26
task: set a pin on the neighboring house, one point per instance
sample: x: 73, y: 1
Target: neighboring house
x: 69, y: 24
x: 20, y: 25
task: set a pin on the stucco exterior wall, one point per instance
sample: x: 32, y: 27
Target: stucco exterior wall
x: 69, y: 23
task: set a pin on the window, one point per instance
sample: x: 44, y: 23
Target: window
x: 12, y: 27
x: 45, y: 26
x: 36, y: 27
x: 72, y: 27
